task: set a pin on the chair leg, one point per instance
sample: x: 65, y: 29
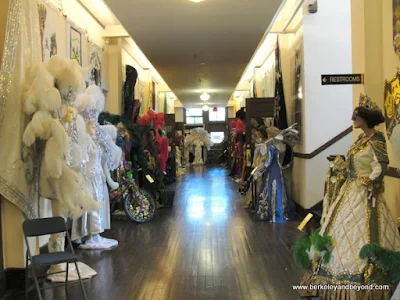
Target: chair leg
x: 66, y: 277
x: 80, y: 280
x: 26, y: 278
x: 36, y: 282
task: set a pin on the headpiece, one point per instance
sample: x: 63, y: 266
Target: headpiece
x: 273, y: 131
x: 367, y: 102
x: 67, y: 75
x: 91, y: 103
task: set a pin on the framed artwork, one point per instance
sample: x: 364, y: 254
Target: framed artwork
x: 252, y: 95
x: 153, y: 95
x: 141, y: 96
x: 297, y: 94
x: 76, y: 45
x: 95, y: 61
x: 396, y: 27
x: 49, y: 25
x: 392, y: 104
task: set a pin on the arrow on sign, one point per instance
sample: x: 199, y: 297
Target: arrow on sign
x: 324, y: 79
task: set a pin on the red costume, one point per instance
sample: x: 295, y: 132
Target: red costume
x: 162, y: 153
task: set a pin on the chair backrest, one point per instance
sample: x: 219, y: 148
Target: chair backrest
x: 38, y: 227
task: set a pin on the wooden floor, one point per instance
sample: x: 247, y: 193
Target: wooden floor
x: 205, y: 247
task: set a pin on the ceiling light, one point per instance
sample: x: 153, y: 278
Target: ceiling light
x: 205, y: 107
x: 204, y: 96
x: 196, y: 1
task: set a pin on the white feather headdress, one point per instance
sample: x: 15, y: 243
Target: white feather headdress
x: 91, y: 103
x: 67, y: 74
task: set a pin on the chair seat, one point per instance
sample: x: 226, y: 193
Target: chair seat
x: 54, y: 258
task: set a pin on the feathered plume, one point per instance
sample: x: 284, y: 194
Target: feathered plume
x: 66, y: 72
x: 159, y: 121
x: 240, y: 127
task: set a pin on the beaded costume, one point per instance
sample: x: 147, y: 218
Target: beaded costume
x: 360, y: 235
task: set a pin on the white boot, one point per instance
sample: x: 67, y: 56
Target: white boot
x: 58, y: 244
x: 97, y: 242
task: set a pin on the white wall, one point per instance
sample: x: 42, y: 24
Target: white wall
x: 231, y: 113
x: 317, y: 168
x: 327, y: 50
x: 179, y: 116
x: 82, y: 18
x: 326, y: 111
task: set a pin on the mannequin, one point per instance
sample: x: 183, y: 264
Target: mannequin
x: 335, y: 178
x: 364, y: 249
x: 199, y: 138
x: 186, y: 147
x: 273, y: 202
x: 59, y: 181
x: 129, y: 93
x: 198, y: 159
x: 162, y: 144
x: 104, y: 155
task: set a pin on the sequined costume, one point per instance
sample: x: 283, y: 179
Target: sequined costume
x: 335, y: 178
x: 239, y: 156
x: 162, y: 145
x: 357, y: 219
x: 198, y: 156
x: 94, y: 222
x: 273, y: 203
x: 104, y: 156
x: 260, y: 155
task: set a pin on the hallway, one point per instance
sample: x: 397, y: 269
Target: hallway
x: 206, y: 247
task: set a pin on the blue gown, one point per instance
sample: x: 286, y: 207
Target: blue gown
x: 273, y: 203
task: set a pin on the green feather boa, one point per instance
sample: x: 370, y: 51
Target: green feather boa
x: 387, y: 259
x: 303, y: 245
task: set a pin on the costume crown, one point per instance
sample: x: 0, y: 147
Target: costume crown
x: 367, y: 102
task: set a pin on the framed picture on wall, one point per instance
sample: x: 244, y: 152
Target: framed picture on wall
x: 95, y: 63
x: 153, y: 95
x: 48, y: 22
x: 76, y: 45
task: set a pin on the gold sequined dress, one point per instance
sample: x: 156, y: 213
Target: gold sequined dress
x: 358, y: 217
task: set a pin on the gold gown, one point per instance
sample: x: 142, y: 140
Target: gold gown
x: 358, y: 217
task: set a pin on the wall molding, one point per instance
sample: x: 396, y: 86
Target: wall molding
x: 392, y: 172
x: 324, y: 146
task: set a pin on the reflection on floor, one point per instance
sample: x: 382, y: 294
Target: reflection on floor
x: 205, y: 247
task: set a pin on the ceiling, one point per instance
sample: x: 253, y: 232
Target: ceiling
x: 197, y: 46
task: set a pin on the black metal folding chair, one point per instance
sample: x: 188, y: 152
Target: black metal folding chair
x: 45, y: 226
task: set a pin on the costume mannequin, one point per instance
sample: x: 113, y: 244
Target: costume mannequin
x: 186, y: 147
x: 199, y: 138
x: 359, y: 242
x: 335, y: 178
x: 162, y: 144
x: 102, y: 153
x: 129, y: 92
x: 178, y: 155
x: 198, y: 158
x: 58, y: 179
x: 273, y: 202
x: 239, y: 155
x: 260, y: 153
